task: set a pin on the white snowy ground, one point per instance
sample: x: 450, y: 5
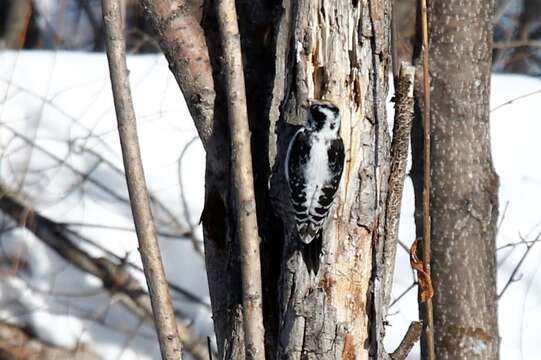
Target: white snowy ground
x: 62, y: 103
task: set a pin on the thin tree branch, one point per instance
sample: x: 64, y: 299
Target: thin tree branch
x: 517, y: 43
x: 412, y: 336
x: 16, y: 343
x: 429, y: 320
x: 179, y: 237
x: 115, y: 277
x: 515, y: 99
x: 529, y: 246
x: 403, y: 294
x: 164, y: 315
x: 243, y: 182
x: 399, y: 157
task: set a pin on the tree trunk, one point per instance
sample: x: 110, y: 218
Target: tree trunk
x: 464, y: 203
x: 338, y: 51
x: 293, y: 51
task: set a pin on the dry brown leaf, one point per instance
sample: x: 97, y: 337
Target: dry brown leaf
x: 427, y: 291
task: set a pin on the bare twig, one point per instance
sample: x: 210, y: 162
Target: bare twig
x: 429, y: 320
x: 529, y: 246
x: 180, y: 237
x: 254, y: 331
x: 403, y: 294
x: 515, y: 99
x: 164, y: 315
x: 412, y: 336
x: 399, y: 157
x: 115, y: 277
x: 517, y: 43
x: 522, y: 242
x: 16, y: 343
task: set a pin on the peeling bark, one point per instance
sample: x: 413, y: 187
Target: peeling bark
x: 337, y: 51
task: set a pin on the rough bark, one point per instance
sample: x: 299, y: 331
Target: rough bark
x: 404, y: 101
x: 464, y: 186
x: 386, y: 248
x: 294, y: 51
x: 338, y: 51
x: 149, y: 249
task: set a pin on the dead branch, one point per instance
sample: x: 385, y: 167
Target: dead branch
x: 164, y: 315
x: 183, y: 42
x: 399, y: 157
x: 429, y: 320
x: 116, y: 279
x: 412, y: 336
x: 397, y: 173
x: 254, y: 332
x: 16, y: 343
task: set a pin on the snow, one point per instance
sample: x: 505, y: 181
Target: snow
x: 61, y: 102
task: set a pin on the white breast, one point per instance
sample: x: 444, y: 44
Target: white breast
x: 317, y: 170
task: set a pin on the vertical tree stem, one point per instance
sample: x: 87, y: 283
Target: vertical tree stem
x: 254, y: 332
x: 17, y: 22
x: 429, y: 319
x: 162, y: 308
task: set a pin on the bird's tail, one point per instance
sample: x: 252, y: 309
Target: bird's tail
x: 311, y: 253
x: 308, y: 231
x: 311, y: 237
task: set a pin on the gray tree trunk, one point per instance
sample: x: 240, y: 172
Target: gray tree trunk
x: 464, y: 200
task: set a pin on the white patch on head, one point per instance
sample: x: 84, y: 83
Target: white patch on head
x: 326, y: 132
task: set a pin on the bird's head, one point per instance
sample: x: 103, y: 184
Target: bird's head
x: 324, y: 116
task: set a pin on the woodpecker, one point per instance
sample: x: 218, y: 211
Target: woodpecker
x: 313, y: 168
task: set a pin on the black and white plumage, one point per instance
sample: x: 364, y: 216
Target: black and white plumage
x: 313, y: 168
